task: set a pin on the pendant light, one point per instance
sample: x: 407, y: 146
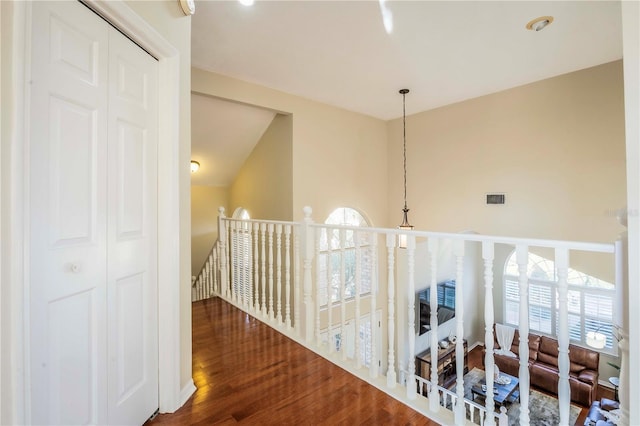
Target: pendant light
x: 402, y: 240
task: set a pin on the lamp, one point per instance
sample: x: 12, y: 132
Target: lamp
x: 598, y: 340
x: 195, y: 166
x: 402, y: 240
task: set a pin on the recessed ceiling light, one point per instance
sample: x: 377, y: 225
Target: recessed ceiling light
x: 539, y: 23
x: 246, y: 2
x: 195, y: 166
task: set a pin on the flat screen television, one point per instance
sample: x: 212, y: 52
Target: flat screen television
x: 446, y: 305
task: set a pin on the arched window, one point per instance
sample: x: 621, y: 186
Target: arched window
x: 332, y: 256
x: 241, y: 213
x: 590, y: 301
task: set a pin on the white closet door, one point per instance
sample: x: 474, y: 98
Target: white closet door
x: 86, y: 283
x: 132, y: 233
x: 68, y: 214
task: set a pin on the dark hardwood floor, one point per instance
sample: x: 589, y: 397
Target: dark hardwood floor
x: 248, y: 373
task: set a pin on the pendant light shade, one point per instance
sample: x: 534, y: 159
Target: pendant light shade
x: 402, y: 240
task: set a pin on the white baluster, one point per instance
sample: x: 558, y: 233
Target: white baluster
x: 432, y: 247
x: 222, y: 238
x: 287, y: 276
x: 522, y: 258
x: 373, y: 366
x: 279, y: 272
x: 270, y: 228
x: 229, y: 260
x: 296, y: 279
x: 308, y: 284
x: 233, y: 258
x: 343, y: 294
x: 256, y: 270
x: 411, y: 314
x: 263, y: 280
x: 216, y: 268
x: 332, y: 346
x: 206, y: 278
x: 210, y: 272
x: 503, y: 420
x: 564, y: 392
x: 487, y: 256
x: 458, y: 251
x: 318, y: 234
x: 391, y: 369
x: 358, y: 283
x: 246, y: 267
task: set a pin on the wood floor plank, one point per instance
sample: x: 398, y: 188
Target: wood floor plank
x: 247, y: 373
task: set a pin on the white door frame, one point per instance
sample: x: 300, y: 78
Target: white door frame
x: 127, y: 21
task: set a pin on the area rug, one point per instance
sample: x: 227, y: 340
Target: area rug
x: 543, y: 409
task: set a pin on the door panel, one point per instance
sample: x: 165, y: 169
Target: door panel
x: 132, y: 235
x: 68, y: 214
x: 72, y: 348
x: 72, y: 177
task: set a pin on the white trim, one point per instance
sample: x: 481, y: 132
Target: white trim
x: 126, y: 20
x: 187, y: 391
x: 630, y: 388
x: 16, y: 233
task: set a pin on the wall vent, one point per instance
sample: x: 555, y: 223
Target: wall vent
x: 495, y: 198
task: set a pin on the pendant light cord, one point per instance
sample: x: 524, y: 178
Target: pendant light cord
x: 404, y: 148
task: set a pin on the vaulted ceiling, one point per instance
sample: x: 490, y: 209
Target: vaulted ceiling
x: 339, y: 53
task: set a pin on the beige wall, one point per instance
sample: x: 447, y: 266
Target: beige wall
x: 339, y: 157
x: 264, y: 184
x: 555, y: 147
x: 205, y: 201
x: 167, y: 18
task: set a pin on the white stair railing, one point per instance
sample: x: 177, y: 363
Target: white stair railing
x: 343, y: 286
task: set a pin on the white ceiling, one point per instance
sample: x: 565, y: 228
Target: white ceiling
x: 338, y: 52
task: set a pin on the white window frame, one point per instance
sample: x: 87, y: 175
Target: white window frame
x: 603, y: 323
x: 366, y: 286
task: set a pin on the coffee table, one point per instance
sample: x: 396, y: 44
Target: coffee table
x: 501, y: 393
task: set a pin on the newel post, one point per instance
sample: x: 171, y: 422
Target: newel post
x: 222, y: 238
x: 307, y: 284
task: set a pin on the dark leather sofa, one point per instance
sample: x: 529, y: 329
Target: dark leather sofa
x: 543, y: 367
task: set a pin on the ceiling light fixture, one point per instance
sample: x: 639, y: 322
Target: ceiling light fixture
x: 540, y: 23
x: 195, y: 166
x: 246, y: 2
x: 402, y: 241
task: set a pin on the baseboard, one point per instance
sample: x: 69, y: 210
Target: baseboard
x: 187, y: 391
x: 475, y: 345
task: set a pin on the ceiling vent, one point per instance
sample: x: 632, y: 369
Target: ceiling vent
x: 495, y: 198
